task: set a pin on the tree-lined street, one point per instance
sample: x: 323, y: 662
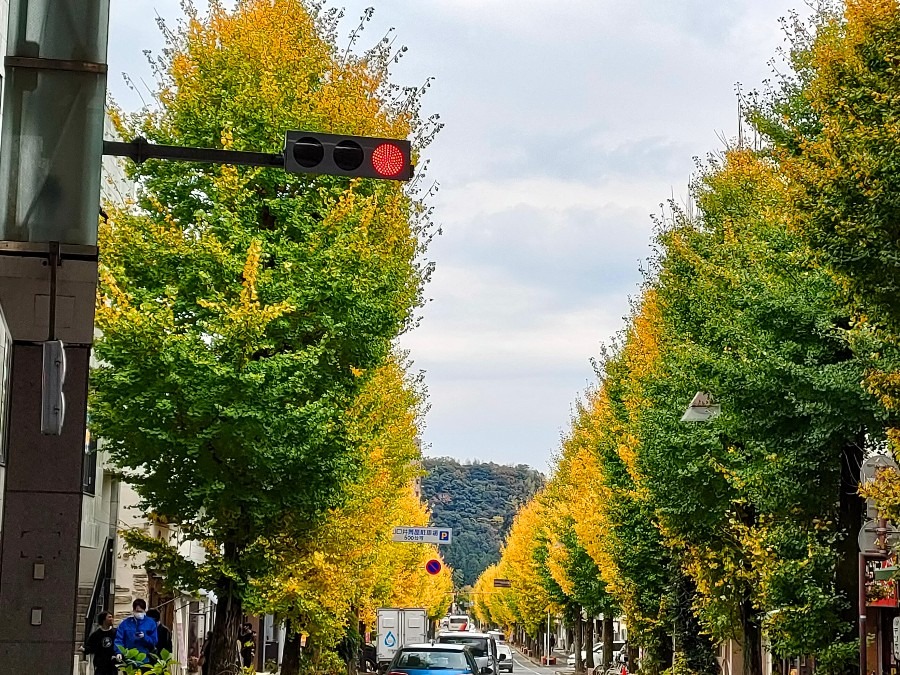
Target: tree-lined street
x: 212, y: 436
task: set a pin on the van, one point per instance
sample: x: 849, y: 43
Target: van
x: 458, y: 622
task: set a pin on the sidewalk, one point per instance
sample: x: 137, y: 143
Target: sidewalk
x: 560, y: 667
x: 558, y: 654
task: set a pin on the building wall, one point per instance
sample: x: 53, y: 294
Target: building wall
x: 189, y: 616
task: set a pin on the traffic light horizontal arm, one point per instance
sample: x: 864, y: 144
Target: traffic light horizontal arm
x: 139, y: 150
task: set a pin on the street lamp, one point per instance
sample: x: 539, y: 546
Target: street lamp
x: 702, y: 408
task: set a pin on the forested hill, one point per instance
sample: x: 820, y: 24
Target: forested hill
x: 479, y: 501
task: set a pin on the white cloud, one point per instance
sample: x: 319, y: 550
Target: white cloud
x: 483, y: 198
x: 568, y: 122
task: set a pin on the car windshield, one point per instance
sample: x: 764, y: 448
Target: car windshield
x: 477, y: 645
x: 432, y: 659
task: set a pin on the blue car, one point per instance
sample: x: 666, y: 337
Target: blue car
x: 438, y: 659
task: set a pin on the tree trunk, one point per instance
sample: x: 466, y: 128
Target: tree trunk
x: 607, y: 640
x: 589, y: 645
x: 290, y: 659
x: 634, y: 654
x: 664, y: 656
x: 579, y: 663
x: 223, y: 653
x: 697, y: 647
x: 752, y: 634
x: 850, y: 518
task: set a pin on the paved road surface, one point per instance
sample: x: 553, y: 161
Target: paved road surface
x: 526, y: 667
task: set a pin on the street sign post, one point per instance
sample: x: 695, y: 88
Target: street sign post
x: 433, y: 567
x: 896, y: 640
x: 877, y: 536
x: 423, y: 535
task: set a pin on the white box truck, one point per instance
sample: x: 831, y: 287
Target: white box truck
x: 398, y: 627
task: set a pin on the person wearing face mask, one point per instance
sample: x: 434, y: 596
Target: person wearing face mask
x: 138, y: 631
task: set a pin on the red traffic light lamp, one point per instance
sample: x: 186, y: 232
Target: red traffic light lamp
x: 353, y: 156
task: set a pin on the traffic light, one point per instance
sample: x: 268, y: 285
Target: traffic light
x: 354, y: 156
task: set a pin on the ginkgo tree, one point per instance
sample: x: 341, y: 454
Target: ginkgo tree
x: 327, y: 583
x: 570, y: 574
x: 776, y: 293
x: 830, y: 124
x: 242, y: 310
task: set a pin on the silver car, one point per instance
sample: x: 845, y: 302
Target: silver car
x: 482, y: 646
x: 504, y: 654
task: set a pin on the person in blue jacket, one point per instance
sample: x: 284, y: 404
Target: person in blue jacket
x: 138, y: 631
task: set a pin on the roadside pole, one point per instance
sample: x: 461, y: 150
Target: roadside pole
x: 53, y: 108
x: 547, y: 651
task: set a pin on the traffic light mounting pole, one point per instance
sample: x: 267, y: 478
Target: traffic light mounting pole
x: 139, y: 150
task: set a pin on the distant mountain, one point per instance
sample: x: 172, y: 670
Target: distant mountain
x: 479, y: 501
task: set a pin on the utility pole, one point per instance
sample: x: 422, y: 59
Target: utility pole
x: 52, y: 135
x: 547, y: 643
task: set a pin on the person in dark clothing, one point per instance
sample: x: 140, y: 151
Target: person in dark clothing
x: 204, y: 655
x: 247, y: 642
x: 163, y: 633
x: 100, y: 644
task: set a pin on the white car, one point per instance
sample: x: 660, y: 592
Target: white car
x: 598, y: 654
x: 504, y: 653
x: 498, y: 635
x: 618, y: 645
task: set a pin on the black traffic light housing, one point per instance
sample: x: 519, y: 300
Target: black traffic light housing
x: 353, y: 156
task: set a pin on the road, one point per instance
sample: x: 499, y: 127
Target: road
x: 525, y: 666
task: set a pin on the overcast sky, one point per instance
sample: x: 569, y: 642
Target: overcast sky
x: 567, y: 123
